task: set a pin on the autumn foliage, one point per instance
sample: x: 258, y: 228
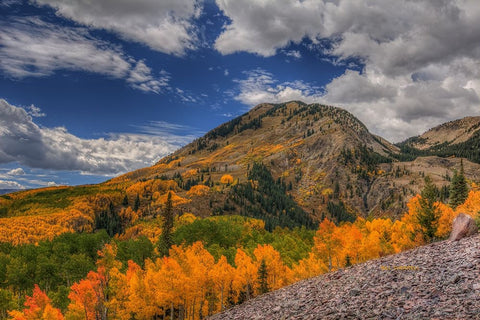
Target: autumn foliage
x: 226, y: 179
x: 38, y: 307
x: 192, y: 283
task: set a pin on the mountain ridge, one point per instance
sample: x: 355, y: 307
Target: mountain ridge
x: 317, y: 162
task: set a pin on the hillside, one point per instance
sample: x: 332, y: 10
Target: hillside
x: 309, y: 150
x: 437, y: 281
x: 459, y: 138
x: 322, y: 156
x: 289, y: 164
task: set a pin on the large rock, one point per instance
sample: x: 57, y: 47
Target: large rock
x: 463, y: 226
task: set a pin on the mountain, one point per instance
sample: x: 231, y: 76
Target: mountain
x: 459, y: 138
x: 437, y: 281
x: 289, y: 164
x: 321, y: 156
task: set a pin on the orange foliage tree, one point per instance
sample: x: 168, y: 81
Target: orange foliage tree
x: 226, y: 179
x: 38, y: 307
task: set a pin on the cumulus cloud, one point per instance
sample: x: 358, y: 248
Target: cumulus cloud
x: 261, y: 86
x: 24, y: 142
x: 419, y: 58
x: 31, y: 47
x: 262, y: 27
x: 16, y: 172
x: 6, y: 184
x: 166, y: 26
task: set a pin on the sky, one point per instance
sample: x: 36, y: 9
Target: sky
x: 93, y: 89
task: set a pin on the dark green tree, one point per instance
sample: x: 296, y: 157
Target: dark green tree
x: 125, y: 201
x: 458, y: 188
x: 137, y: 203
x: 428, y: 213
x: 166, y: 240
x: 348, y: 261
x: 262, y: 277
x: 109, y: 219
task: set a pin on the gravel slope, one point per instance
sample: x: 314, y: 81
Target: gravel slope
x: 437, y: 281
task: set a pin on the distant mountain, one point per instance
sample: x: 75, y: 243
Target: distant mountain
x: 459, y: 138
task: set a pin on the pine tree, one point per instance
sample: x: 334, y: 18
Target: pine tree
x: 137, y: 203
x: 125, y: 201
x: 458, y: 188
x: 166, y: 239
x: 348, y: 261
x: 262, y: 278
x: 428, y: 213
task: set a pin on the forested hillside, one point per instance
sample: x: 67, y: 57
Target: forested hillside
x: 282, y: 193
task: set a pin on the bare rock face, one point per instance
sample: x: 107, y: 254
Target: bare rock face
x: 463, y: 226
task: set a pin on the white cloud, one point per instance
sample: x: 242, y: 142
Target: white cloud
x: 261, y: 86
x: 166, y: 26
x: 24, y: 142
x: 35, y: 111
x: 6, y: 184
x: 262, y: 27
x: 293, y: 53
x: 31, y: 47
x: 419, y: 58
x: 16, y: 172
x: 8, y: 3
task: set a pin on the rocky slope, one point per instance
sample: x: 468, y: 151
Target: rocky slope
x: 460, y: 138
x: 328, y: 157
x: 437, y: 281
x: 320, y: 156
x: 453, y: 132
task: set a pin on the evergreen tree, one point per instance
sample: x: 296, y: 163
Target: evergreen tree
x: 428, y: 213
x: 166, y: 239
x: 125, y: 201
x: 137, y: 203
x: 262, y: 277
x: 108, y: 219
x: 458, y: 188
x: 348, y: 261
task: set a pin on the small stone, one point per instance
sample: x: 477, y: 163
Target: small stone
x: 354, y: 292
x: 277, y: 309
x: 455, y: 279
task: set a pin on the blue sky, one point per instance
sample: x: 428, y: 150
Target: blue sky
x: 90, y: 91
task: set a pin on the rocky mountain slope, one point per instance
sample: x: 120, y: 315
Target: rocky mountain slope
x: 290, y: 164
x: 459, y: 138
x: 453, y: 132
x: 437, y: 281
x: 323, y: 156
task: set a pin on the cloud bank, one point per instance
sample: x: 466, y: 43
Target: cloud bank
x: 24, y: 142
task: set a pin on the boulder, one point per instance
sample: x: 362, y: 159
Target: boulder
x: 463, y: 226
